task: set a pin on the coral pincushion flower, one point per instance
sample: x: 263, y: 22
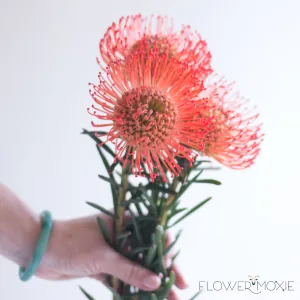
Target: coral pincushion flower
x: 236, y: 135
x: 148, y: 100
x: 123, y: 37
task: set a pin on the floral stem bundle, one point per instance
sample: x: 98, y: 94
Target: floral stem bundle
x: 167, y: 112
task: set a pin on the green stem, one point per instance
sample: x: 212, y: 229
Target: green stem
x: 176, y: 181
x: 163, y: 219
x: 119, y: 220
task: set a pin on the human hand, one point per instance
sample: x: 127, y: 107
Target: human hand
x: 78, y: 249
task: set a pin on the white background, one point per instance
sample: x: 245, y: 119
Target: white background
x: 47, y: 57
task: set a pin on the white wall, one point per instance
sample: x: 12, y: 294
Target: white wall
x: 47, y: 57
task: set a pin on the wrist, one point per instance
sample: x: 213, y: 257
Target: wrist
x: 20, y: 245
x: 19, y: 228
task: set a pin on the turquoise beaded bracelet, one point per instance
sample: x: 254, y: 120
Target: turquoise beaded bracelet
x: 26, y: 274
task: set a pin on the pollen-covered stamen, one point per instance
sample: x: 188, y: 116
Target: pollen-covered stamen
x: 145, y: 117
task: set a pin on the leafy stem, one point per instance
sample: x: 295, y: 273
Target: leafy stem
x: 168, y: 203
x: 119, y: 218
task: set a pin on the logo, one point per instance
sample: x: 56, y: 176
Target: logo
x: 253, y: 285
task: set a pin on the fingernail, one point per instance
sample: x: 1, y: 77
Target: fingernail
x: 152, y: 282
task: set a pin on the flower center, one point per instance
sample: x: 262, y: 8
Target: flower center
x: 150, y: 42
x: 221, y: 131
x: 145, y: 117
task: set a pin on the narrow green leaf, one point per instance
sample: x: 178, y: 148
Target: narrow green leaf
x: 159, y: 233
x: 122, y: 239
x: 175, y: 256
x: 210, y: 181
x: 153, y: 297
x: 122, y: 235
x: 106, y: 179
x: 191, y: 211
x: 113, y: 166
x: 151, y: 202
x: 164, y: 292
x: 158, y: 239
x: 104, y: 230
x: 199, y: 162
x: 195, y: 296
x: 105, y: 161
x: 150, y: 255
x: 187, y: 185
x: 139, y: 209
x: 102, y: 209
x: 175, y: 212
x: 99, y: 141
x: 179, y: 210
x: 92, y: 132
x: 86, y: 294
x: 167, y: 250
x: 121, y: 244
x: 160, y: 251
x: 112, y: 186
x: 136, y: 227
x: 175, y: 204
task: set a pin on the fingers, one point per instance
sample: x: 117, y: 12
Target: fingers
x: 130, y: 272
x: 179, y: 278
x: 172, y: 295
x: 102, y: 278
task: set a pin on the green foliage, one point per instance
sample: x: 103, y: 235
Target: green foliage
x: 153, y: 208
x: 86, y: 294
x: 104, y: 230
x: 195, y: 296
x: 102, y: 209
x: 192, y: 210
x: 210, y: 181
x: 169, y: 248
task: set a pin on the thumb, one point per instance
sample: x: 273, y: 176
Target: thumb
x: 130, y: 272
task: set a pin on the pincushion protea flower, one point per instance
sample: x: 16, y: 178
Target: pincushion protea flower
x: 123, y: 37
x: 148, y: 99
x: 235, y: 139
x: 163, y: 107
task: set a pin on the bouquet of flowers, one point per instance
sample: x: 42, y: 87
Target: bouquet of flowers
x: 168, y: 114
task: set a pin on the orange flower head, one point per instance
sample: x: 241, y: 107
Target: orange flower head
x: 148, y: 100
x: 124, y: 37
x: 236, y: 135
